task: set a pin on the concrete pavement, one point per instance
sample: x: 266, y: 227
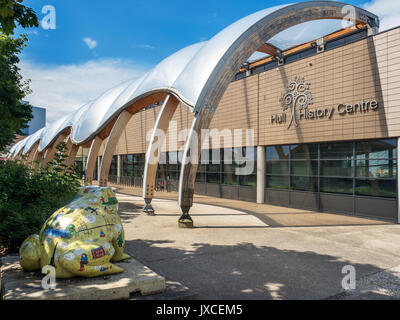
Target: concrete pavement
x: 233, y: 254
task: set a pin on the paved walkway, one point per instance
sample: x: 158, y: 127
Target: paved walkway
x: 234, y: 254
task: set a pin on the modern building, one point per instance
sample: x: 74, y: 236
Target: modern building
x: 315, y: 126
x: 38, y: 121
x: 340, y: 155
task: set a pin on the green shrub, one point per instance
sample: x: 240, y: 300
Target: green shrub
x: 28, y: 198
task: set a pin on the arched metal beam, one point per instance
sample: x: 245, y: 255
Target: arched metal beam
x: 153, y: 152
x: 31, y: 153
x: 68, y: 147
x: 248, y: 42
x: 112, y: 142
x: 53, y: 148
x: 72, y: 152
x: 37, y: 157
x: 115, y: 128
x: 92, y: 158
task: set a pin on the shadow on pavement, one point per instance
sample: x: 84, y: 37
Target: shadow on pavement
x: 246, y: 271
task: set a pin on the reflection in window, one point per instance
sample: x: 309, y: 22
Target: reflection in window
x: 277, y: 182
x: 337, y: 150
x: 278, y: 167
x: 277, y: 153
x: 376, y: 187
x: 304, y: 151
x: 337, y: 168
x: 377, y: 149
x: 385, y: 169
x: 366, y: 168
x: 304, y: 183
x: 337, y: 185
x: 305, y: 168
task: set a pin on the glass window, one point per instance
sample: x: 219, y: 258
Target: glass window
x: 113, y: 166
x: 376, y: 187
x: 337, y: 150
x: 230, y: 178
x: 162, y: 171
x: 248, y: 180
x: 278, y: 167
x: 138, y: 169
x: 277, y: 153
x: 305, y: 167
x: 173, y: 157
x: 226, y: 167
x: 215, y: 155
x: 337, y: 168
x: 386, y: 169
x: 377, y: 149
x: 163, y: 158
x: 336, y: 185
x: 127, y: 165
x: 304, y: 151
x: 277, y: 182
x: 213, y: 177
x: 138, y: 157
x: 304, y: 183
x: 200, y: 177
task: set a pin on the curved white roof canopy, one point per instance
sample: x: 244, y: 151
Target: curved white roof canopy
x: 20, y: 145
x: 186, y: 74
x: 106, y: 107
x: 32, y: 139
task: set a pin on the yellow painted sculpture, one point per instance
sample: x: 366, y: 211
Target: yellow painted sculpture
x: 80, y: 239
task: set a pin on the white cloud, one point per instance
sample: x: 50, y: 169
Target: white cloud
x: 61, y: 89
x: 388, y: 12
x: 90, y: 43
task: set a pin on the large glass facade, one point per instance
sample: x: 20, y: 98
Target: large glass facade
x: 365, y: 168
x: 234, y: 166
x: 114, y: 166
x: 132, y: 165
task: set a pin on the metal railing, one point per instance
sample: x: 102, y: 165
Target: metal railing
x: 161, y: 184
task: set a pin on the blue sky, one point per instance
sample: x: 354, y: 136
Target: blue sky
x: 144, y: 31
x: 98, y: 44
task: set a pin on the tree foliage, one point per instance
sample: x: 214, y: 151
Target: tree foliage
x: 12, y: 12
x: 15, y: 114
x: 28, y: 198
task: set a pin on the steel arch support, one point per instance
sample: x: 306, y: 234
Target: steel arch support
x: 92, y: 158
x: 112, y: 142
x: 72, y: 152
x: 32, y: 154
x: 37, y: 157
x: 52, y: 150
x: 153, y: 152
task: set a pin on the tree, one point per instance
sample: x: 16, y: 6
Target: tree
x: 14, y: 113
x: 12, y: 11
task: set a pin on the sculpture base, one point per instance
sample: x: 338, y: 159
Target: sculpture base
x: 185, y: 221
x: 148, y: 209
x: 20, y: 285
x: 185, y: 224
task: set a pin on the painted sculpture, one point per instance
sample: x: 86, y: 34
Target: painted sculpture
x: 82, y: 238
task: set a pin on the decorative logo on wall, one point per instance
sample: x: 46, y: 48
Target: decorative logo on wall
x: 297, y: 98
x: 297, y: 94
